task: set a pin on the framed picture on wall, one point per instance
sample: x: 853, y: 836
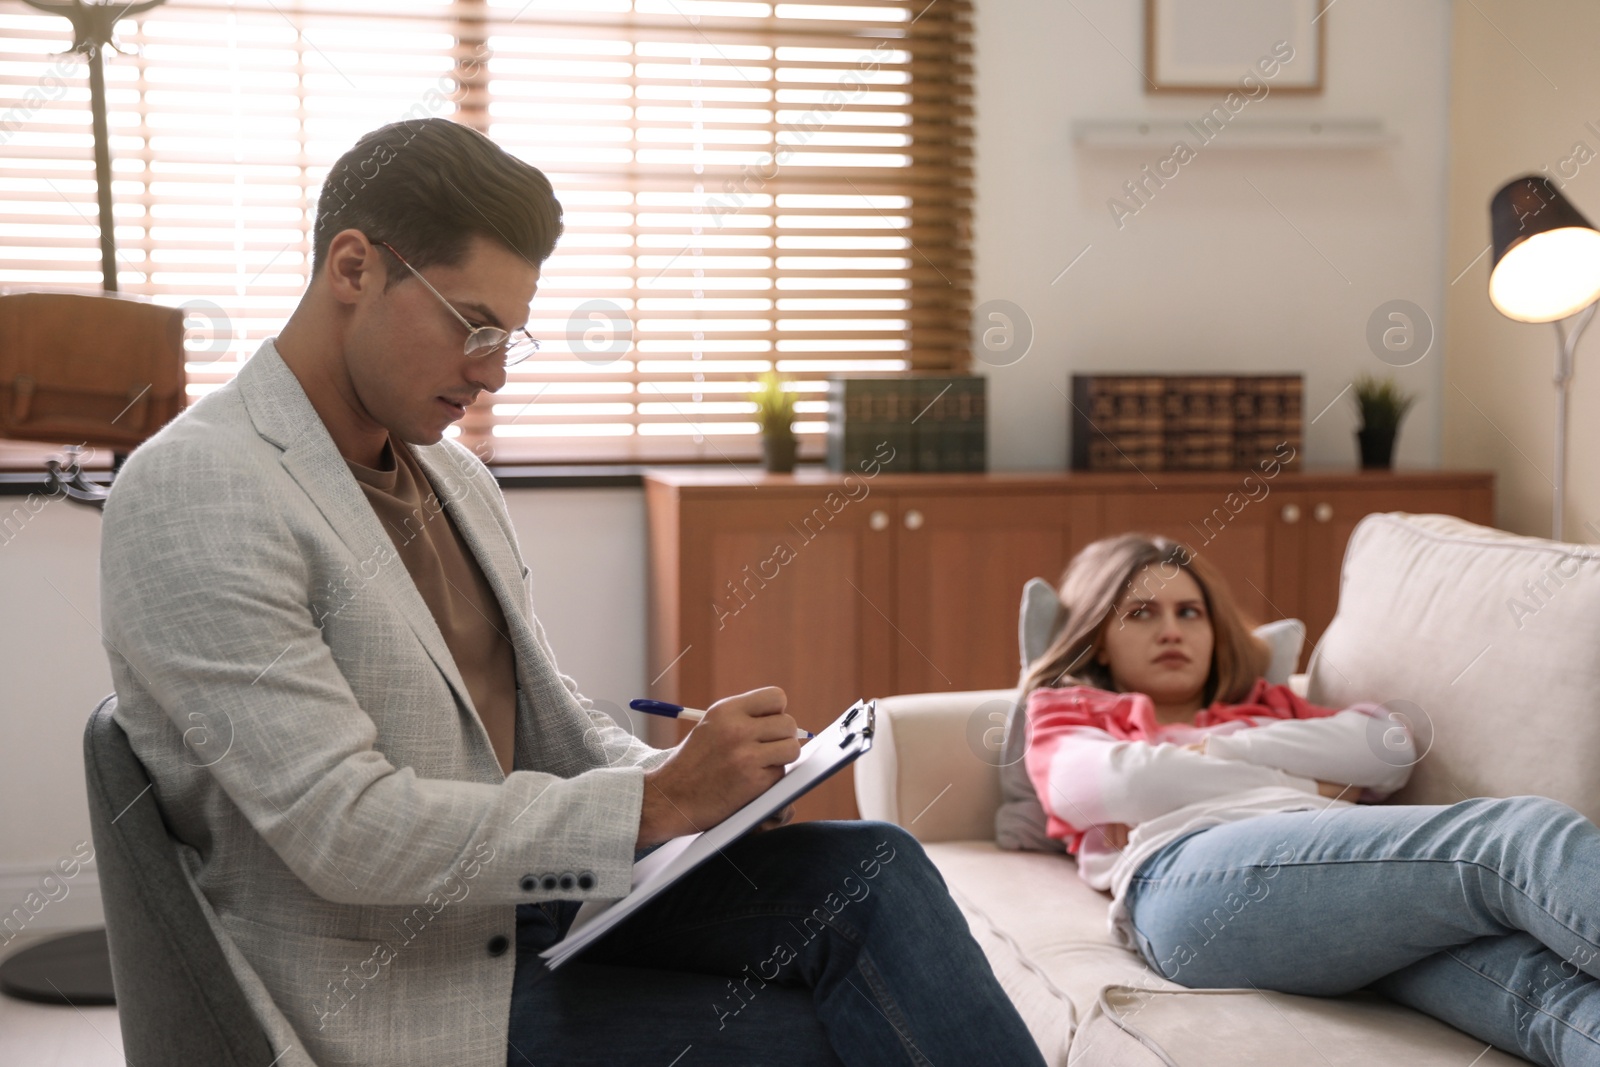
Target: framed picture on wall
x: 1208, y: 46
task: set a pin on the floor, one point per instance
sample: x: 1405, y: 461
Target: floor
x: 39, y: 1035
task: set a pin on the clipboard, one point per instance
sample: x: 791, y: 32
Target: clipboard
x: 834, y: 748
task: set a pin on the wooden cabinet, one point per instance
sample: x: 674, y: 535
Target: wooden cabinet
x: 782, y: 586
x: 950, y: 552
x: 837, y: 587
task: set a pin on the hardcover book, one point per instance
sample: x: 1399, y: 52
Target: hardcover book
x: 1153, y: 422
x: 926, y: 422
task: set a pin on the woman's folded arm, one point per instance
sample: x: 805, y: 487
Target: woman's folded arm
x: 1090, y: 778
x: 1362, y: 745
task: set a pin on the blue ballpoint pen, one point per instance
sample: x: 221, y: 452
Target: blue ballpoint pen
x: 678, y: 711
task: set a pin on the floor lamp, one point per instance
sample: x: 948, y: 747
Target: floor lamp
x: 1546, y: 268
x: 92, y: 26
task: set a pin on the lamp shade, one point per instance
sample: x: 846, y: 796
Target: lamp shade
x: 1546, y: 254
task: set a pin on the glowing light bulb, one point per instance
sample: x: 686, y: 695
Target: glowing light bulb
x: 1548, y: 276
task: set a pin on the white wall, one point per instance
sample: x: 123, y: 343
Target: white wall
x: 1208, y: 277
x: 585, y: 548
x: 52, y: 673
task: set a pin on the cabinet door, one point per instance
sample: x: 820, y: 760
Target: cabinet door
x: 1254, y: 541
x: 961, y: 565
x: 784, y: 590
x: 1330, y: 518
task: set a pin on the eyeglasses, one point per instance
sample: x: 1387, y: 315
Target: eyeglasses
x: 481, y: 340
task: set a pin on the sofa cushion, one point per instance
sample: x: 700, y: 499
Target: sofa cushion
x: 1131, y: 1025
x: 1483, y: 641
x: 1036, y: 621
x: 1082, y: 995
x: 1044, y: 931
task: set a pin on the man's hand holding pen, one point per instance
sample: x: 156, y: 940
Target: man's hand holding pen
x: 736, y: 752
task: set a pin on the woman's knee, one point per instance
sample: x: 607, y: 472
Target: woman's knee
x: 1532, y: 811
x: 1551, y: 804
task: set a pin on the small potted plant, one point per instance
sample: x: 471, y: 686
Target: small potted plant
x: 1381, y: 405
x: 775, y: 412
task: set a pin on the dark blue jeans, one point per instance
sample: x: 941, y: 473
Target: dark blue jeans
x: 1485, y: 914
x: 815, y: 943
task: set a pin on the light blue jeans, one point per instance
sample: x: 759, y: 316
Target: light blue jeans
x: 1485, y: 914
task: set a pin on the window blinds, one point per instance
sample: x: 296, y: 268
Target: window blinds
x: 746, y: 186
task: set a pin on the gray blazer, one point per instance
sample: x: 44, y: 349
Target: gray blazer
x: 314, y: 750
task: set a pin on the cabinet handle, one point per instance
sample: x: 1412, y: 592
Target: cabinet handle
x: 1291, y: 513
x: 1322, y: 512
x: 879, y: 520
x: 913, y: 519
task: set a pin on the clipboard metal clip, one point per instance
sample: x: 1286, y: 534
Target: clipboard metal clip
x: 867, y: 725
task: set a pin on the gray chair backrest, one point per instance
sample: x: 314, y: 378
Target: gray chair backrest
x: 178, y: 1001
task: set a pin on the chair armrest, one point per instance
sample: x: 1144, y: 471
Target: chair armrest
x: 933, y: 766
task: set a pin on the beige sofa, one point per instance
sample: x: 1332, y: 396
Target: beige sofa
x: 1483, y: 639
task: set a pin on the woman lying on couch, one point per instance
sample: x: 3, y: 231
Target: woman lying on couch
x: 1231, y: 821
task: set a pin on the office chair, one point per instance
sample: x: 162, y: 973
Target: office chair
x: 178, y: 999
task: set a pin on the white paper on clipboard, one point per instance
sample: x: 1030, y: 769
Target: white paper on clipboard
x: 833, y: 748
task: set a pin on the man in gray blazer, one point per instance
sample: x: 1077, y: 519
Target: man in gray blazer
x: 324, y: 652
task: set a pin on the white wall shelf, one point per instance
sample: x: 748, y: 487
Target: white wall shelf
x: 1162, y: 134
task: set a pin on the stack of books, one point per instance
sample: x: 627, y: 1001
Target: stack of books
x: 1185, y: 422
x: 921, y: 422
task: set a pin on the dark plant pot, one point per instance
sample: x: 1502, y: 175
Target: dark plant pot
x: 778, y: 451
x: 1377, y: 446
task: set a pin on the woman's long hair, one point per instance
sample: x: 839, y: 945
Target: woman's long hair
x: 1096, y: 581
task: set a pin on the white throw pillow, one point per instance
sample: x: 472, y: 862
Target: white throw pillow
x: 1483, y: 643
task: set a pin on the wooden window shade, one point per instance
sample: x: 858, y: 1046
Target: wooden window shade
x: 746, y: 185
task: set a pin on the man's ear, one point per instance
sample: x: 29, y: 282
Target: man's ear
x: 353, y: 266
